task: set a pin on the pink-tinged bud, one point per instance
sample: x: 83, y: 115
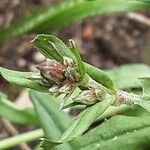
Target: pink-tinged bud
x: 52, y: 70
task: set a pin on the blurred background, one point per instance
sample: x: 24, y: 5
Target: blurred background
x: 105, y: 41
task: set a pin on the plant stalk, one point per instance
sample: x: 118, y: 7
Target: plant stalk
x: 13, y: 131
x: 25, y: 137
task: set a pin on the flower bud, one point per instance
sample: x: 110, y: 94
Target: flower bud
x: 71, y: 70
x: 87, y: 97
x: 52, y: 70
x: 68, y: 62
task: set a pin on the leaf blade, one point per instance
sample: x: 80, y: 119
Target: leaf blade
x: 20, y: 116
x: 146, y: 87
x: 80, y: 65
x: 52, y: 120
x: 118, y: 133
x: 100, y: 76
x: 21, y: 79
x: 47, y: 18
x: 123, y: 73
x: 85, y: 119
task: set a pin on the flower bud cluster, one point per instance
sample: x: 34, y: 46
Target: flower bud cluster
x: 88, y: 97
x: 95, y: 93
x: 51, y: 71
x: 61, y: 78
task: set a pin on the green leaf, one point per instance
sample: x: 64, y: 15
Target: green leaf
x: 80, y: 65
x: 85, y: 119
x: 146, y: 86
x: 45, y: 45
x: 126, y: 110
x: 145, y: 103
x: 145, y: 100
x: 97, y: 74
x: 123, y: 109
x: 126, y: 76
x: 120, y: 132
x: 134, y: 110
x: 43, y: 42
x: 46, y: 106
x: 20, y: 116
x: 50, y: 18
x: 69, y: 101
x: 147, y: 1
x: 75, y: 105
x: 53, y: 121
x: 100, y: 76
x: 20, y: 79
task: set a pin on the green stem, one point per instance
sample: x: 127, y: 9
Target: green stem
x: 25, y: 137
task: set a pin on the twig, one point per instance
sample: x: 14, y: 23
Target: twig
x: 139, y: 17
x: 13, y: 131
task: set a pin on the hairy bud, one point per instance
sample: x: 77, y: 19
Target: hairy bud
x: 52, y: 71
x: 87, y: 97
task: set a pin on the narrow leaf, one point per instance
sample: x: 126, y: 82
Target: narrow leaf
x: 20, y: 79
x: 126, y: 76
x: 53, y: 121
x: 123, y: 109
x: 41, y: 42
x: 100, y: 76
x: 79, y: 61
x: 44, y: 44
x: 20, y: 116
x: 50, y: 18
x: 146, y: 86
x: 120, y: 132
x: 134, y: 110
x: 145, y: 103
x: 146, y: 1
x: 85, y: 119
